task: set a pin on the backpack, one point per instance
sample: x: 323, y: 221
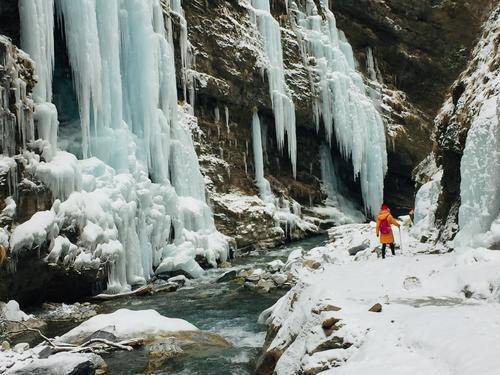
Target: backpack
x: 385, y: 227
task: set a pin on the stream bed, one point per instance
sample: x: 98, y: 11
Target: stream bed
x: 227, y: 309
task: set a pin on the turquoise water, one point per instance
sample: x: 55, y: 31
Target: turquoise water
x: 223, y: 308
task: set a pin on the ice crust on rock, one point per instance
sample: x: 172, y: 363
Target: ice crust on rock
x: 349, y: 116
x: 137, y: 197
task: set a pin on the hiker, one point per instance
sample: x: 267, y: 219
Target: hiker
x: 384, y: 230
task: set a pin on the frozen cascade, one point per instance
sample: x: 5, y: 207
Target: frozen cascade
x: 37, y: 38
x: 338, y: 207
x: 285, y: 215
x: 283, y: 107
x: 21, y: 124
x: 138, y: 196
x: 262, y: 184
x: 348, y: 114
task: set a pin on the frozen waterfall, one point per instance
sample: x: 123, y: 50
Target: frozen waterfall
x: 286, y: 213
x: 338, y: 207
x: 283, y: 107
x: 137, y: 197
x: 349, y: 115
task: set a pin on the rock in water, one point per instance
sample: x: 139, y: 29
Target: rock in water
x: 227, y: 276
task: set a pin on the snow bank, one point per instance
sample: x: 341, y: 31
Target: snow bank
x: 432, y: 305
x: 127, y: 324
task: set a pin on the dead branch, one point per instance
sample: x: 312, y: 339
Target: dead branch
x: 28, y: 329
x: 144, y: 290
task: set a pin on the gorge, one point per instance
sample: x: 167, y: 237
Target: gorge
x: 157, y: 139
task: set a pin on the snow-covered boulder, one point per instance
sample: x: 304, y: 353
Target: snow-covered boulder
x: 127, y: 324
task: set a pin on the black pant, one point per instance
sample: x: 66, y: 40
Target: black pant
x: 393, y: 249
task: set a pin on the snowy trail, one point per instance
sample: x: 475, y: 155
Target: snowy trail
x: 440, y: 313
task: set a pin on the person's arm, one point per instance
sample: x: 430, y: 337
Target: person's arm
x: 394, y: 221
x: 378, y: 227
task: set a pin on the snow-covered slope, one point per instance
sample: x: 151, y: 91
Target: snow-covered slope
x: 431, y: 307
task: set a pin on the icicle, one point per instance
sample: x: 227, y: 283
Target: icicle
x: 187, y: 57
x: 283, y: 107
x: 216, y: 114
x: 226, y: 113
x: 263, y: 185
x: 37, y: 38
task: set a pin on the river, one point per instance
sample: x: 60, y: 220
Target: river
x: 223, y: 308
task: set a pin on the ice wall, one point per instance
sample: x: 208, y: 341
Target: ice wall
x: 342, y: 103
x: 479, y: 214
x: 138, y: 197
x: 283, y: 107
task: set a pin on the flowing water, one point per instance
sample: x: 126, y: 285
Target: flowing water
x: 223, y: 308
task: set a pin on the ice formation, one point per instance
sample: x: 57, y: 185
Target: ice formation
x: 285, y: 213
x: 426, y: 202
x: 16, y: 127
x: 338, y: 206
x: 283, y: 107
x: 187, y: 56
x: 37, y: 38
x: 480, y: 171
x: 349, y: 116
x: 137, y: 197
x: 262, y: 184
